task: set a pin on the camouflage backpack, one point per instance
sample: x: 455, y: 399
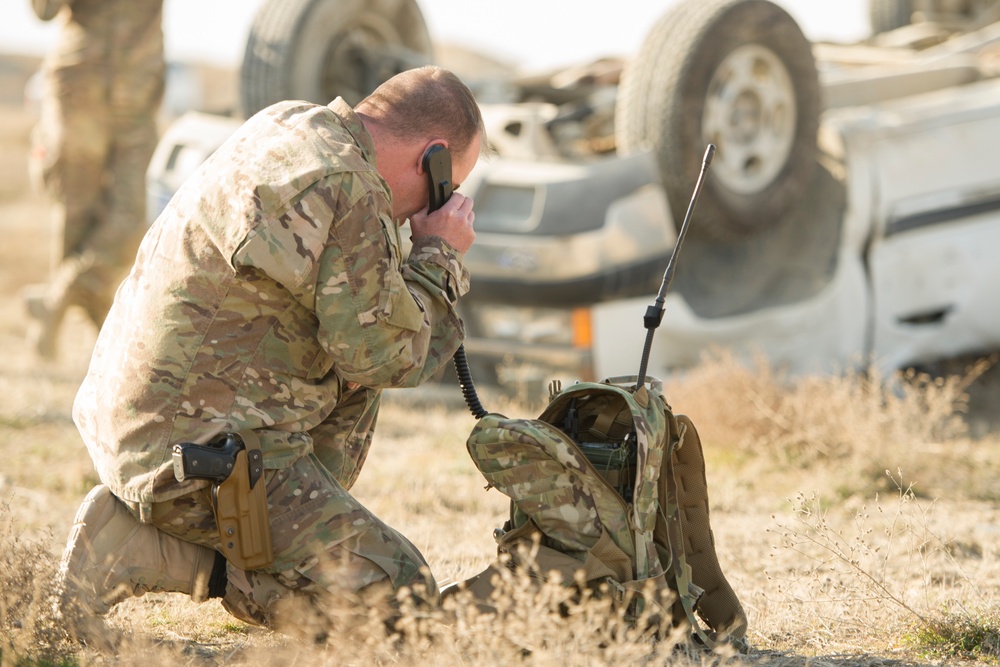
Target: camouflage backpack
x: 609, y: 483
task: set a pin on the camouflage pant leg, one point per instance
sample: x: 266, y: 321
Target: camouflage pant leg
x: 329, y: 549
x: 97, y: 161
x: 73, y: 140
x: 341, y: 442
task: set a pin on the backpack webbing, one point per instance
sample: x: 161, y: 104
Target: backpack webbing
x: 661, y: 538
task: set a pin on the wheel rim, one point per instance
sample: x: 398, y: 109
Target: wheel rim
x: 750, y: 116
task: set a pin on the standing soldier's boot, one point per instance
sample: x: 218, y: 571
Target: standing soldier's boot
x: 78, y: 282
x: 43, y: 331
x: 110, y: 556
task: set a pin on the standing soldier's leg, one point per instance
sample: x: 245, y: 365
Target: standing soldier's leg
x: 111, y: 246
x: 74, y: 142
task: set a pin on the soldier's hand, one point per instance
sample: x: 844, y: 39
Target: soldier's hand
x: 452, y: 222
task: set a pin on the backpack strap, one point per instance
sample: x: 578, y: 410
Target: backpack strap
x: 670, y: 537
x: 719, y: 605
x: 604, y: 559
x: 614, y: 411
x: 604, y: 563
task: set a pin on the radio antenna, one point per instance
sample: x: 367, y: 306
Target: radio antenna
x: 654, y: 313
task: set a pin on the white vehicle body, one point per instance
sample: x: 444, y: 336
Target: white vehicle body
x: 918, y: 267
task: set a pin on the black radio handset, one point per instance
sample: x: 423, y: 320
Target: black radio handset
x: 437, y: 166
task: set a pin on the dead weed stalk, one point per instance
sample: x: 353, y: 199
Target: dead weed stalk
x: 872, y: 559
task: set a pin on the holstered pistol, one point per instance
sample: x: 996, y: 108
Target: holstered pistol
x: 233, y: 461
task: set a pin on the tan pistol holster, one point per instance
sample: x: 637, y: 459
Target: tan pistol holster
x: 235, y: 465
x: 240, y: 504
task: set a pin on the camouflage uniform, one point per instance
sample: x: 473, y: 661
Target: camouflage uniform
x: 104, y: 81
x: 272, y: 280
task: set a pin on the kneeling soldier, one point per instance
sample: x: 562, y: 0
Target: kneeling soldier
x: 271, y: 299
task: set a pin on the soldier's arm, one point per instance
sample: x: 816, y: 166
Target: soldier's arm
x: 387, y: 323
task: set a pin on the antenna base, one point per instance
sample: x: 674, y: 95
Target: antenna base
x: 653, y: 316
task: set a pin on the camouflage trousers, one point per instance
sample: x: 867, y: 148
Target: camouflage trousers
x: 333, y: 557
x: 92, y: 159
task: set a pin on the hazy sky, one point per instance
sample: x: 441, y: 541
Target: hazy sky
x: 531, y: 33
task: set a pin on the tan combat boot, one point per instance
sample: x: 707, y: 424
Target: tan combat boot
x: 110, y: 556
x: 43, y: 328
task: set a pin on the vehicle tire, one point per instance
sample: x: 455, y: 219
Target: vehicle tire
x: 633, y: 112
x: 317, y: 50
x: 736, y: 73
x: 886, y: 15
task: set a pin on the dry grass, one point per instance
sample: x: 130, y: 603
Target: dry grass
x: 863, y: 578
x: 855, y: 517
x: 857, y: 425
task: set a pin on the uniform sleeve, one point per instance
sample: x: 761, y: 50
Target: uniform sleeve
x: 384, y: 322
x: 387, y: 323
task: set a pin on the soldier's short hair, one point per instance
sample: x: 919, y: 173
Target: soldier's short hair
x: 427, y: 101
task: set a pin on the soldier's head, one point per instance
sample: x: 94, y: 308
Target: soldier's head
x: 413, y: 111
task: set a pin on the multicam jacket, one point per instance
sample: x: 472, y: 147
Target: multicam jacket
x: 273, y: 278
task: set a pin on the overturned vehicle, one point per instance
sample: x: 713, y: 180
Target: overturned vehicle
x: 849, y: 217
